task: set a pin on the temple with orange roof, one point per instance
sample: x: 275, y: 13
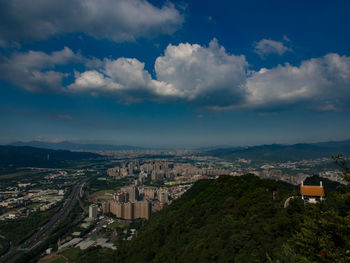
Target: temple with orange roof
x: 312, y: 193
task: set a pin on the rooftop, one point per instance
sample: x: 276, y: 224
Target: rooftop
x: 312, y: 190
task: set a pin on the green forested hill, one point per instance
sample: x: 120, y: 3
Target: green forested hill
x: 236, y: 219
x: 232, y: 219
x: 329, y: 186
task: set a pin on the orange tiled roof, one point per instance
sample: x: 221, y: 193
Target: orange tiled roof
x: 312, y: 190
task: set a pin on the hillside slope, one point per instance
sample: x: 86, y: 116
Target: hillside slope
x: 232, y: 219
x: 278, y: 152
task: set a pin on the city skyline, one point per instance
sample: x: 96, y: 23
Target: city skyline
x: 178, y: 74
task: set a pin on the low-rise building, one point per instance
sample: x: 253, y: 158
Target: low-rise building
x: 312, y: 193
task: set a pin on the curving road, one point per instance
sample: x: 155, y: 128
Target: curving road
x: 44, y: 231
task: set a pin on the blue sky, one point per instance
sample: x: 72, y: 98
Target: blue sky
x: 174, y: 73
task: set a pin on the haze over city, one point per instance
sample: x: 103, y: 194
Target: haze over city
x: 174, y: 73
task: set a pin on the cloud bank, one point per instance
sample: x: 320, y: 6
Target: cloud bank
x: 202, y: 76
x: 115, y: 20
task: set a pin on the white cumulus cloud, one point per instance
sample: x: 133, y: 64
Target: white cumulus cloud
x: 203, y: 75
x: 322, y: 82
x: 200, y: 75
x: 116, y: 20
x: 123, y: 78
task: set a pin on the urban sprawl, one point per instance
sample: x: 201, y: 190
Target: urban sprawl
x: 129, y: 187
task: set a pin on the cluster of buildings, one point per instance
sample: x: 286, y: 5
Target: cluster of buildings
x: 133, y: 202
x: 38, y: 192
x: 17, y: 204
x: 334, y: 175
x: 126, y: 169
x: 129, y: 210
x: 279, y: 175
x: 159, y: 170
x: 177, y: 191
x: 128, y: 204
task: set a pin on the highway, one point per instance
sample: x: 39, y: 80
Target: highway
x: 44, y: 231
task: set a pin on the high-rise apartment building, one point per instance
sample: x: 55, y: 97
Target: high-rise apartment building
x: 121, y: 197
x: 163, y: 195
x: 143, y: 209
x: 129, y: 210
x: 93, y: 211
x: 116, y: 208
x: 133, y: 192
x: 140, y: 209
x: 105, y: 207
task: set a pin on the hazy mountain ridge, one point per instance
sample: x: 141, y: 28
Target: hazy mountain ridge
x: 32, y: 156
x: 66, y: 145
x: 279, y: 152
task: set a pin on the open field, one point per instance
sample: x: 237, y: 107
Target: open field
x: 119, y: 224
x: 101, y: 195
x: 72, y: 254
x: 92, y: 255
x: 102, y: 192
x: 18, y: 173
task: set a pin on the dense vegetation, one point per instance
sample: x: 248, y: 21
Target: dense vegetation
x: 236, y: 219
x: 90, y: 255
x: 15, y: 156
x: 4, y: 245
x: 329, y: 186
x: 277, y: 152
x: 225, y: 220
x: 324, y: 233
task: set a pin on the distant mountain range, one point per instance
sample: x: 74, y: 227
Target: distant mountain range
x: 16, y: 156
x: 278, y: 152
x: 264, y: 153
x: 66, y: 145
